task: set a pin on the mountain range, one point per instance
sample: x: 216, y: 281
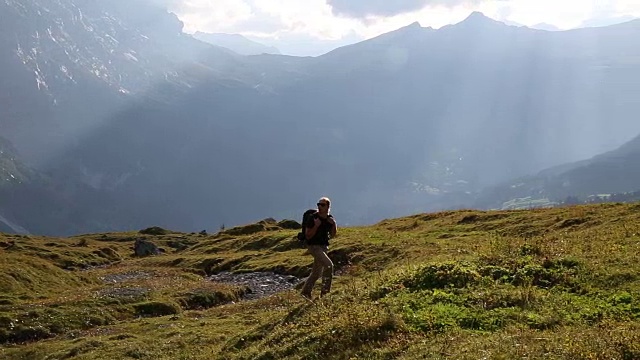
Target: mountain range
x: 128, y: 122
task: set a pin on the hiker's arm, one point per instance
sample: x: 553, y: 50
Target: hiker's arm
x: 334, y: 227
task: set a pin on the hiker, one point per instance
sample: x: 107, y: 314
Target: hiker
x: 318, y: 229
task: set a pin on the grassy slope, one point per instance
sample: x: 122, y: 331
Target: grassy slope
x: 555, y: 283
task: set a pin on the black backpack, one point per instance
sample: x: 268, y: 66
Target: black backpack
x: 302, y: 238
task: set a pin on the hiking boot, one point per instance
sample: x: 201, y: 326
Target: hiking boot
x: 306, y: 296
x: 300, y: 285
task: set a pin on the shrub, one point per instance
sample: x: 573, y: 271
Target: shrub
x: 495, y: 272
x: 21, y: 333
x: 457, y: 275
x: 290, y: 224
x: 246, y: 230
x: 155, y: 230
x: 156, y: 308
x: 204, y: 299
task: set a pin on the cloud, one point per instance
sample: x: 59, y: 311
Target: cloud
x: 218, y: 14
x: 365, y: 8
x: 275, y: 17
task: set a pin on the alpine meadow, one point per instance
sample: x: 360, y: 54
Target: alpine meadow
x: 557, y: 283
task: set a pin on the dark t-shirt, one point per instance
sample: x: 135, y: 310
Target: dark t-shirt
x: 322, y: 235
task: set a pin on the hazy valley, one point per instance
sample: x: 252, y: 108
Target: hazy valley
x: 126, y: 122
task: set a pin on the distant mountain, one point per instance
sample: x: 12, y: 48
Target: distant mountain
x: 131, y: 123
x: 34, y: 202
x: 614, y: 172
x: 484, y: 96
x: 594, y: 22
x: 15, y: 178
x: 545, y: 26
x: 236, y: 43
x: 607, y: 21
x: 540, y: 26
x: 12, y: 170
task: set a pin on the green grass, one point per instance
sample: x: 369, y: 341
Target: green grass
x: 560, y: 283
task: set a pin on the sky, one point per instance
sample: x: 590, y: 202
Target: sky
x: 313, y: 27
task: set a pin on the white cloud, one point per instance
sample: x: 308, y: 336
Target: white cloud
x: 563, y: 14
x: 313, y: 17
x: 211, y: 14
x: 626, y: 7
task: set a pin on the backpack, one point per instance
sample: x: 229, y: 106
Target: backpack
x: 302, y: 238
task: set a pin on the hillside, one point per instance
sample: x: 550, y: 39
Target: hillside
x: 34, y: 201
x: 615, y: 173
x: 555, y: 283
x: 14, y: 175
x: 12, y: 170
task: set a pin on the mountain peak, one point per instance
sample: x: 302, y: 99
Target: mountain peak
x: 414, y: 27
x: 411, y: 28
x: 477, y: 15
x: 477, y: 18
x: 407, y: 32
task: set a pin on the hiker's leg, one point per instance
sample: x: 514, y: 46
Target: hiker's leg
x: 327, y: 271
x: 316, y: 270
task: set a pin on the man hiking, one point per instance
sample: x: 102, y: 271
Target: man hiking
x: 318, y: 229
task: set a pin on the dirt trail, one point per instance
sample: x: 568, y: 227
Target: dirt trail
x: 259, y: 284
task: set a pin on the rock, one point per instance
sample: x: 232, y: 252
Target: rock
x: 268, y: 224
x: 246, y: 229
x: 155, y: 230
x: 145, y: 248
x: 290, y: 224
x: 7, y: 245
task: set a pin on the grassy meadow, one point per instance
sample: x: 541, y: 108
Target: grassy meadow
x: 560, y: 283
